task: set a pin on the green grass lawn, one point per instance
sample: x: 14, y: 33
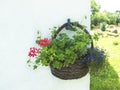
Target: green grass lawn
x: 109, y: 77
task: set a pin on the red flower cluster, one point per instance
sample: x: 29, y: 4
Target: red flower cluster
x: 44, y: 42
x: 33, y: 52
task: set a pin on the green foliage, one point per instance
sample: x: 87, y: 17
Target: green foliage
x: 96, y: 36
x: 99, y: 59
x: 103, y: 26
x: 107, y: 17
x: 98, y: 18
x: 94, y: 7
x: 39, y: 36
x: 117, y: 17
x: 118, y: 20
x: 63, y: 50
x: 112, y: 18
x: 109, y: 77
x: 105, y: 79
x: 95, y: 16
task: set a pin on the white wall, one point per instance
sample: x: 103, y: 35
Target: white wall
x: 19, y: 22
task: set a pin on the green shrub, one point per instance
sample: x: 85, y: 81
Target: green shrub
x: 103, y: 26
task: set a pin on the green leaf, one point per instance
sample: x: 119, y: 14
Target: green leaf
x: 35, y: 67
x: 28, y: 61
x: 37, y: 61
x: 51, y: 58
x: 57, y: 64
x: 67, y: 51
x: 44, y: 62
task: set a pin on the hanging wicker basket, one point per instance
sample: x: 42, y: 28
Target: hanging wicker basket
x: 76, y: 70
x: 73, y: 71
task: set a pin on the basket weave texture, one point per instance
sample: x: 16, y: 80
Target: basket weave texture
x: 73, y: 71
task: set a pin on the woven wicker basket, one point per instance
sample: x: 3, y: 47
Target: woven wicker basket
x: 73, y: 71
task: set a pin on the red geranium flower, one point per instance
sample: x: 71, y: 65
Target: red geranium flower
x: 44, y: 42
x: 33, y: 52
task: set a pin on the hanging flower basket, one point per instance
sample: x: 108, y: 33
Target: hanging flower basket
x: 79, y: 68
x: 66, y: 55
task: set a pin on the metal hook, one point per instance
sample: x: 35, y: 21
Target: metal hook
x: 68, y: 26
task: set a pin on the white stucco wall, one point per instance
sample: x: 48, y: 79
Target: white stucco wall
x: 19, y: 22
